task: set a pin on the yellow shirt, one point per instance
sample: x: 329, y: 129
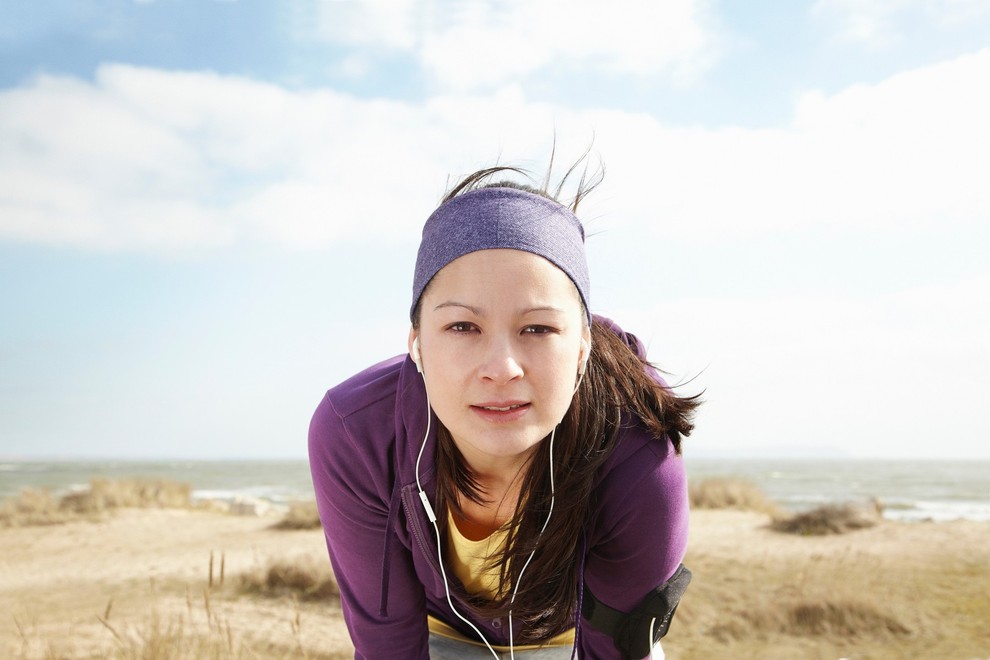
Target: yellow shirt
x: 466, y: 559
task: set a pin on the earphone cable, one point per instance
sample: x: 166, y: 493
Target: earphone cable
x: 433, y: 518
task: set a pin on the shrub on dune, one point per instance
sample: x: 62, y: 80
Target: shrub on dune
x: 33, y: 506
x: 304, y: 577
x: 301, y: 515
x: 829, y: 519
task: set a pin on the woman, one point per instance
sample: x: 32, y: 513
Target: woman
x: 514, y: 484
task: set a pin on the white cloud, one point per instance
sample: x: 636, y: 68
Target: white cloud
x: 148, y: 159
x: 472, y: 44
x: 907, y: 152
x: 153, y: 160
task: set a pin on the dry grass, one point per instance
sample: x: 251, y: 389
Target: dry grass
x: 727, y: 493
x: 209, y: 625
x: 839, y: 618
x: 39, y: 507
x: 105, y: 494
x: 301, y: 515
x: 305, y: 577
x: 158, y: 638
x: 828, y: 519
x: 32, y: 507
x: 843, y: 620
x: 896, y: 590
x: 201, y: 632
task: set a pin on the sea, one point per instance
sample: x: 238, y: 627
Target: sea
x: 912, y: 491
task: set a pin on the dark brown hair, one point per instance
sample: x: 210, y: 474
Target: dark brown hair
x: 619, y: 390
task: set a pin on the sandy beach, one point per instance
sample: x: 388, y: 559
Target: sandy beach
x: 140, y: 579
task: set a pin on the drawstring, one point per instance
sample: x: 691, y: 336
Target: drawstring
x: 393, y: 505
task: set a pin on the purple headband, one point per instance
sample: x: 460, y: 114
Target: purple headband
x: 501, y: 217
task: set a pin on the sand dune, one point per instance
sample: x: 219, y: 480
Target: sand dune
x: 895, y: 590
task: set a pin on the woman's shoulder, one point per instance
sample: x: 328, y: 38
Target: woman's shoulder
x: 352, y: 432
x: 642, y: 484
x: 374, y: 387
x: 636, y: 455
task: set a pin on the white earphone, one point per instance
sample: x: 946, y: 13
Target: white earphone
x: 414, y: 354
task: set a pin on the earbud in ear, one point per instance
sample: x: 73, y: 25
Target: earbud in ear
x: 414, y: 354
x: 585, y: 356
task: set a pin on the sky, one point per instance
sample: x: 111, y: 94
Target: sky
x: 209, y: 210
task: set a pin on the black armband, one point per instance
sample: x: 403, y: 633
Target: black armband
x: 637, y: 632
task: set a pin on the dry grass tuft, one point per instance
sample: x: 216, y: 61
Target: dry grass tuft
x: 32, y: 507
x: 306, y: 578
x: 158, y: 638
x: 105, y: 494
x: 726, y: 493
x: 825, y: 619
x: 829, y: 519
x: 38, y: 506
x: 842, y: 620
x: 301, y: 515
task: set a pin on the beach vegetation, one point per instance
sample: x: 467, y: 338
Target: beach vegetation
x: 107, y: 494
x: 38, y: 506
x: 34, y: 506
x: 729, y: 493
x: 301, y: 515
x: 829, y: 519
x: 836, y: 619
x: 204, y: 633
x: 306, y: 578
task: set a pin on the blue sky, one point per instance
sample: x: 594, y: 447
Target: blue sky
x: 209, y: 210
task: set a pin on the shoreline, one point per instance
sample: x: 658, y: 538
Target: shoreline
x: 911, y: 490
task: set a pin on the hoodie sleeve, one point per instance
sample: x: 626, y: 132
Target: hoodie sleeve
x: 640, y: 536
x: 382, y: 600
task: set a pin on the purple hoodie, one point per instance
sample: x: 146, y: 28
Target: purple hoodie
x: 363, y: 443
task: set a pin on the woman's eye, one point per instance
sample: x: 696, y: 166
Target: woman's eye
x: 537, y: 330
x: 461, y: 327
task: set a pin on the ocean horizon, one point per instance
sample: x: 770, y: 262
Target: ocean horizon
x: 910, y: 490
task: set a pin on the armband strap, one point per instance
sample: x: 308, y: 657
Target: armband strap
x: 631, y: 632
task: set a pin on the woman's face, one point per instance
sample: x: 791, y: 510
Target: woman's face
x: 501, y: 335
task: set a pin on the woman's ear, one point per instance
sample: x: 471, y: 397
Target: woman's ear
x: 585, y: 353
x: 413, y: 343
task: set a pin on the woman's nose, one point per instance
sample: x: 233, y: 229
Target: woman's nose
x: 500, y: 363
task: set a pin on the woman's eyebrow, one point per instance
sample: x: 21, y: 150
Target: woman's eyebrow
x: 477, y: 311
x: 544, y: 308
x: 454, y: 303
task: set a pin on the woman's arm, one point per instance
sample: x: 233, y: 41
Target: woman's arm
x: 385, y: 618
x: 640, y: 536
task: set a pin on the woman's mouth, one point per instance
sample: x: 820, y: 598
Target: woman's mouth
x: 507, y: 411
